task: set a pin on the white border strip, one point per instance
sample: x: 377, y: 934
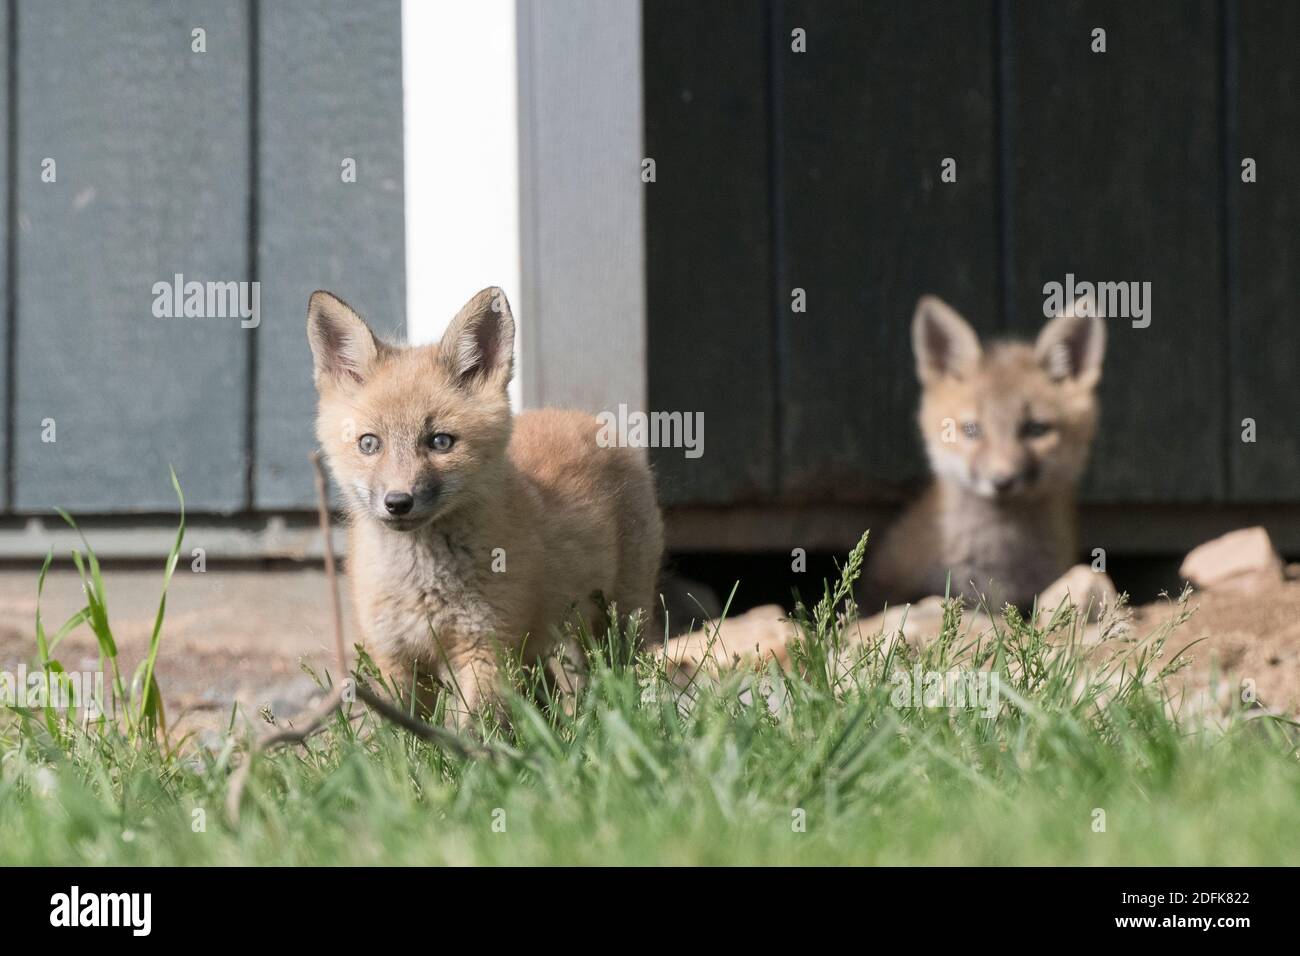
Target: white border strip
x: 461, y: 122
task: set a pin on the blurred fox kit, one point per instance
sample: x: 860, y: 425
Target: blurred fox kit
x: 1007, y: 433
x: 472, y: 531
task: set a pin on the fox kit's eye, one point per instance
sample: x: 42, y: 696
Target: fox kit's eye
x: 971, y: 430
x: 368, y: 444
x: 1032, y: 429
x: 441, y: 442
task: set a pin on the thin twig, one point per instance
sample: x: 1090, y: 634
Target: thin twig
x: 331, y: 575
x: 292, y: 735
x: 421, y: 728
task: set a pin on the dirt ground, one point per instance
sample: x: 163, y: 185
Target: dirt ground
x: 242, y: 637
x: 229, y: 636
x: 1247, y: 635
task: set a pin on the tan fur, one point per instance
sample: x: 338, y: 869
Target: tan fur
x: 573, y: 520
x: 1000, y: 513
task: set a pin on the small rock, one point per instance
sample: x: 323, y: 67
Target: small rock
x: 1238, y: 559
x: 748, y: 640
x: 1088, y: 590
x: 917, y: 623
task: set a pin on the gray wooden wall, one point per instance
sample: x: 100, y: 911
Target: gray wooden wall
x: 223, y: 165
x: 821, y: 171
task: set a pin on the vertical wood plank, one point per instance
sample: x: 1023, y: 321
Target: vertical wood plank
x: 582, y: 204
x: 1117, y: 179
x: 151, y: 145
x: 884, y: 93
x: 6, y: 200
x: 330, y: 89
x: 1263, y: 346
x: 708, y: 245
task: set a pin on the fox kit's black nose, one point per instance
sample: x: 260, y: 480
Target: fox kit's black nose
x: 398, y: 502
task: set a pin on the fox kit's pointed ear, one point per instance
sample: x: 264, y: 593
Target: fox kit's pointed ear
x: 342, y: 346
x: 1071, y: 345
x: 944, y: 343
x: 479, y: 345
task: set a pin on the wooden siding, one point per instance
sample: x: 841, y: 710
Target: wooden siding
x: 221, y: 166
x: 820, y: 171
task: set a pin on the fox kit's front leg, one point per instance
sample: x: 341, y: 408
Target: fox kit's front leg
x: 473, y: 683
x: 567, y: 667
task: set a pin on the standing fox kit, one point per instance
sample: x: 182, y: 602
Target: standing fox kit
x: 472, y: 531
x: 1007, y: 432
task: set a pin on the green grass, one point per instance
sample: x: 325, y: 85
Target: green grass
x: 638, y: 774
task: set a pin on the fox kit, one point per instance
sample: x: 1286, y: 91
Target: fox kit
x: 472, y: 531
x: 1007, y: 433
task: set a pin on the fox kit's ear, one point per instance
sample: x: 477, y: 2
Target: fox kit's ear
x: 342, y: 346
x: 479, y: 345
x: 1071, y: 345
x: 944, y: 343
